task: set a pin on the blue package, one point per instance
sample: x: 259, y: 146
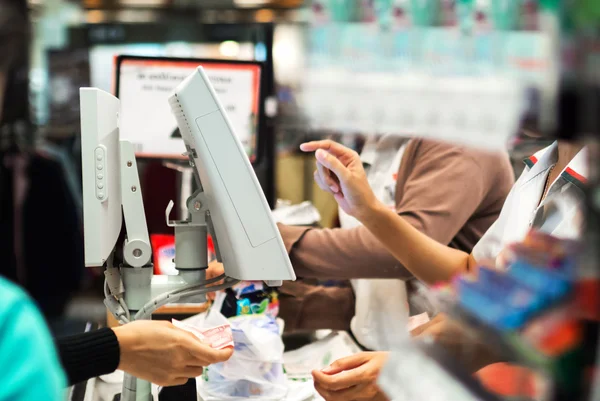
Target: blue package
x: 243, y: 307
x: 496, y: 312
x: 248, y: 287
x: 550, y: 282
x: 502, y: 286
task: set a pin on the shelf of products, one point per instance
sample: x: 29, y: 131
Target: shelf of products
x: 533, y: 314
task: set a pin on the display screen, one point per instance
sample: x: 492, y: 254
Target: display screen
x: 144, y: 85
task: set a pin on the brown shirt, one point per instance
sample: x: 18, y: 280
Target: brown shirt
x: 453, y: 194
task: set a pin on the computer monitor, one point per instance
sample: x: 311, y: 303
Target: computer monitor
x: 101, y: 175
x: 248, y: 240
x: 143, y: 83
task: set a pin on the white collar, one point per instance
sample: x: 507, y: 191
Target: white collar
x: 576, y: 171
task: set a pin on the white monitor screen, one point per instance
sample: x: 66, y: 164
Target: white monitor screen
x: 247, y: 238
x: 143, y: 84
x: 101, y: 178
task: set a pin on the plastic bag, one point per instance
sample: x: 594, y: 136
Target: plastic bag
x: 255, y: 371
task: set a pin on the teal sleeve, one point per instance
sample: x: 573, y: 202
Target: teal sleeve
x: 30, y: 367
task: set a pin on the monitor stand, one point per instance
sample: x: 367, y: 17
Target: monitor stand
x: 186, y: 184
x: 145, y: 293
x: 184, y: 392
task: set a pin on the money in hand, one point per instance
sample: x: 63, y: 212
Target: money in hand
x: 218, y: 337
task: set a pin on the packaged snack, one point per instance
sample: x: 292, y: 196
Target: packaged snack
x: 249, y: 298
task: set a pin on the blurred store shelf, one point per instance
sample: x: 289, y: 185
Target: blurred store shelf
x: 202, y: 15
x: 192, y: 4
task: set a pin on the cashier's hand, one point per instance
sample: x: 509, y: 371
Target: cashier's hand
x: 163, y: 354
x: 215, y: 269
x: 352, y: 379
x: 340, y: 172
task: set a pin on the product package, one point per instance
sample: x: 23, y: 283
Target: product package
x: 535, y: 275
x: 163, y: 246
x: 504, y: 314
x: 248, y: 298
x: 530, y: 299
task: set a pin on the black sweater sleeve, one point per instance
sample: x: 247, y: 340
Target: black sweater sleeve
x: 88, y: 355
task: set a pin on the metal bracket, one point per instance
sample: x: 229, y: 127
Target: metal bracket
x: 168, y: 213
x: 136, y: 248
x: 196, y: 205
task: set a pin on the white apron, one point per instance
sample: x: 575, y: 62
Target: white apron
x: 381, y: 304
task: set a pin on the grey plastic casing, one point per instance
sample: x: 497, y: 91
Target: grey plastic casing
x: 101, y: 180
x: 249, y: 242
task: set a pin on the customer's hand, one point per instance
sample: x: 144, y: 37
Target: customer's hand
x: 462, y: 344
x: 433, y: 328
x: 340, y: 172
x: 352, y: 379
x: 448, y: 333
x: 163, y: 354
x: 215, y: 269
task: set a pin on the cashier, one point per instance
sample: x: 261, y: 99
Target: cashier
x: 414, y: 178
x: 548, y: 196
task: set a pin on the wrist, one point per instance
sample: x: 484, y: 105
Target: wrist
x: 372, y: 212
x: 126, y: 341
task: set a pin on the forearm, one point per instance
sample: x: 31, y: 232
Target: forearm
x: 306, y: 307
x: 88, y: 355
x: 340, y: 254
x: 426, y: 258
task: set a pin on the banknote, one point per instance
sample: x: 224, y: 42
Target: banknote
x: 218, y: 337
